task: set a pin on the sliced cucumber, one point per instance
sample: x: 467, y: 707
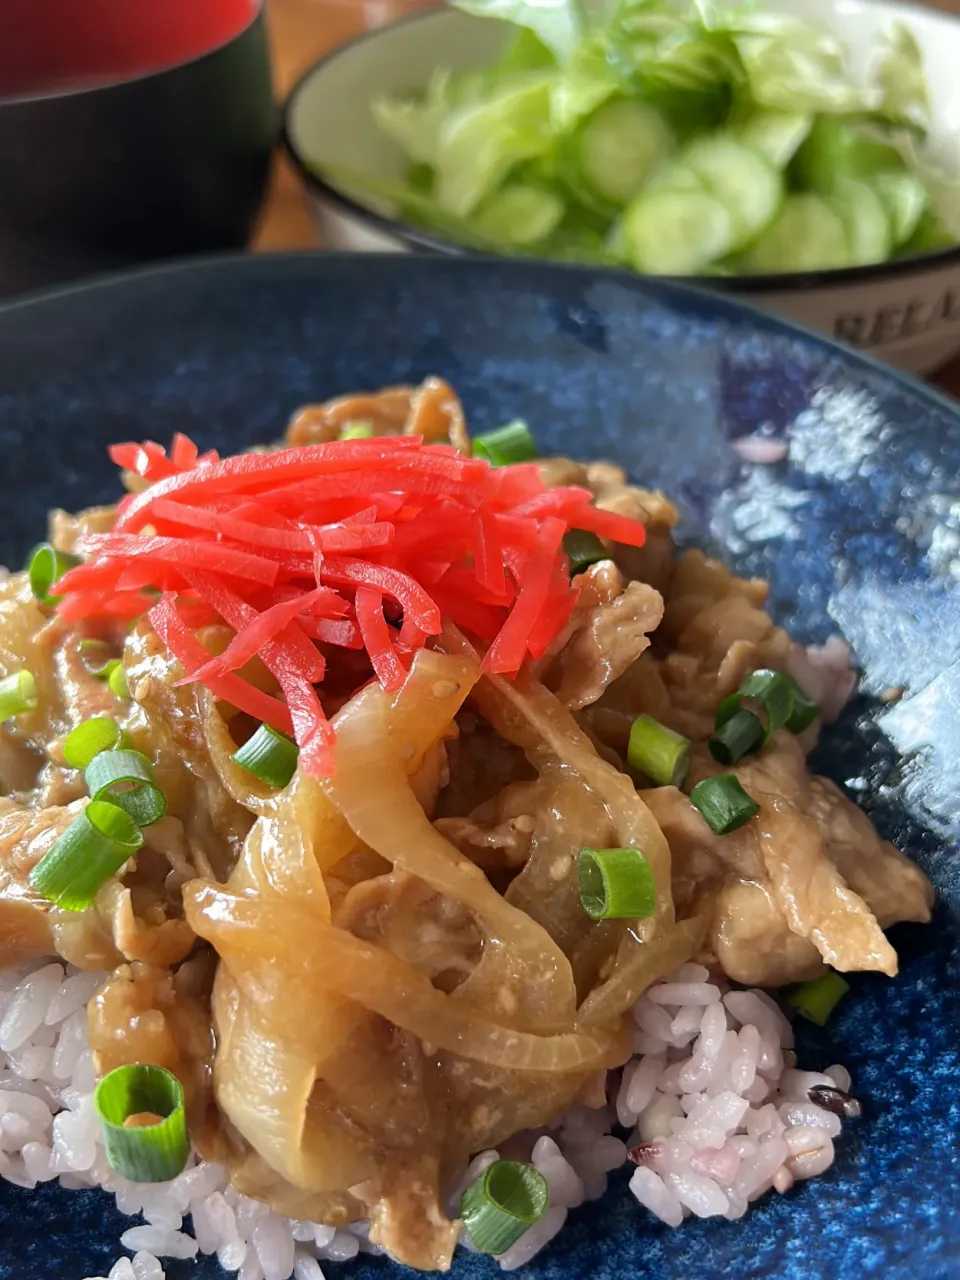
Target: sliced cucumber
x: 420, y: 178
x: 721, y: 270
x: 687, y: 111
x: 865, y: 220
x: 749, y: 187
x: 578, y: 243
x: 838, y: 148
x: 930, y: 234
x: 620, y: 146
x: 905, y: 199
x: 776, y: 135
x: 806, y: 235
x: 520, y: 213
x: 615, y: 244
x: 675, y: 177
x: 675, y: 233
x: 561, y: 166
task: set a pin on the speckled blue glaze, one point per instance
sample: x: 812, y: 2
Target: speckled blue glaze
x: 857, y: 529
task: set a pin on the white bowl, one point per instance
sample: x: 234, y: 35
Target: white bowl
x: 906, y: 311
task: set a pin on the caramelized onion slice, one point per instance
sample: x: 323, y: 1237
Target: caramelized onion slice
x: 266, y: 1090
x: 239, y: 785
x: 385, y: 739
x: 640, y: 963
x: 526, y: 713
x: 319, y: 957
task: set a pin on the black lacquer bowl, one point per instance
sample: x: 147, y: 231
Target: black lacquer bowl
x: 129, y: 130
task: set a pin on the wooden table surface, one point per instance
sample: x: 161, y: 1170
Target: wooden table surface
x: 301, y: 31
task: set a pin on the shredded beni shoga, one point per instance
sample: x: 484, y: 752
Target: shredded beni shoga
x: 360, y: 543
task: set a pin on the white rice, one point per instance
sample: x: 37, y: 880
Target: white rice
x: 729, y: 1116
x: 760, y: 449
x: 712, y: 1097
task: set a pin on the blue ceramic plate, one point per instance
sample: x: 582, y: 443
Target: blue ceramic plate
x: 858, y: 530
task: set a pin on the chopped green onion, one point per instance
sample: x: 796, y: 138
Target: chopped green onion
x: 616, y: 884
x: 359, y: 429
x: 501, y: 1204
x: 125, y: 778
x: 112, y: 671
x: 115, y: 677
x: 95, y: 654
x: 804, y: 710
x: 269, y: 755
x: 92, y: 849
x: 18, y: 693
x: 816, y: 1000
x: 583, y: 549
x: 117, y: 680
x: 771, y: 689
x: 509, y: 443
x: 727, y: 709
x: 48, y: 565
x: 783, y: 701
x: 736, y: 738
x: 90, y: 738
x: 724, y: 803
x: 664, y: 756
x: 144, y: 1123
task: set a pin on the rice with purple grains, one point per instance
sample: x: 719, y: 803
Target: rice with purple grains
x: 399, y: 836
x: 712, y: 1110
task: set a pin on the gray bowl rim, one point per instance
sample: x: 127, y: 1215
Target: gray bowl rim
x: 769, y: 282
x: 109, y: 83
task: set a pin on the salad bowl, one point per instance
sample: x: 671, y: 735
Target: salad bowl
x: 905, y: 310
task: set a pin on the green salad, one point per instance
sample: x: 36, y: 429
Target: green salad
x: 674, y: 137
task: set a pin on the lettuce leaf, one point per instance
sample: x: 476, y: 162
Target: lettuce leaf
x: 558, y: 24
x: 585, y: 84
x: 414, y: 124
x: 405, y: 201
x: 899, y: 75
x: 479, y: 144
x: 793, y: 66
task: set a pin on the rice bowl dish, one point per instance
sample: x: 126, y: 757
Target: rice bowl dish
x: 450, y: 746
